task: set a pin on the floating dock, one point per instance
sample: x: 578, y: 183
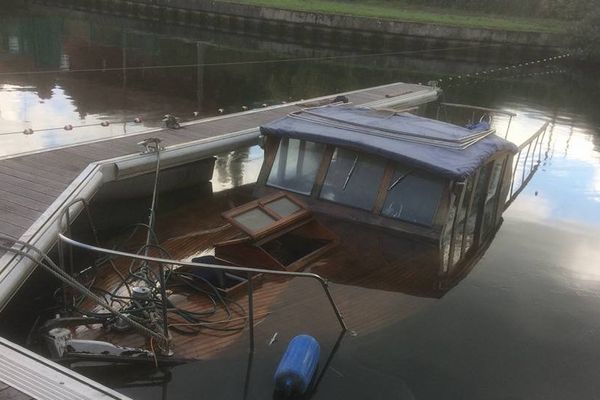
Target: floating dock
x: 36, y: 188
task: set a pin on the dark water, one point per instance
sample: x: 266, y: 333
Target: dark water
x: 524, y: 324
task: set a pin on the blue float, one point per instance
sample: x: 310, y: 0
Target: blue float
x: 298, y: 365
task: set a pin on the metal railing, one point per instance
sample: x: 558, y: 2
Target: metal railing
x: 525, y: 167
x: 248, y: 271
x: 474, y: 109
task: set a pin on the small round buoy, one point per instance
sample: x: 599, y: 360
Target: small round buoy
x: 104, y: 123
x: 28, y: 131
x: 137, y: 120
x: 68, y: 127
x: 298, y: 365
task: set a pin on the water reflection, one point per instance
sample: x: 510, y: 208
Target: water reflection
x: 46, y: 39
x: 522, y: 324
x: 40, y: 42
x: 236, y: 168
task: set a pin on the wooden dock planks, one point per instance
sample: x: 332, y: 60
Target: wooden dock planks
x: 9, y: 393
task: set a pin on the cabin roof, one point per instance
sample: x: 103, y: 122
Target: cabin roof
x: 441, y: 148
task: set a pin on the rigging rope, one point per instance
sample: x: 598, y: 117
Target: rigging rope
x: 250, y: 62
x: 448, y: 80
x: 55, y: 270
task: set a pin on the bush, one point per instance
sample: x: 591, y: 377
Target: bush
x: 560, y: 9
x: 586, y: 36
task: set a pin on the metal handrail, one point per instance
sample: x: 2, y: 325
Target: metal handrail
x: 510, y: 114
x: 534, y: 136
x: 492, y: 110
x: 527, y: 173
x: 324, y: 283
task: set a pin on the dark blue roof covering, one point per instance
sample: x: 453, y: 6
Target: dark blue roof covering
x: 441, y: 148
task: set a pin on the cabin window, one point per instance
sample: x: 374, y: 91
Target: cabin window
x: 413, y: 196
x: 353, y: 179
x: 447, y: 233
x: 493, y: 195
x: 459, y: 229
x: 296, y: 165
x: 471, y: 222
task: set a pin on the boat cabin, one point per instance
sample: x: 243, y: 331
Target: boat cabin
x: 404, y: 173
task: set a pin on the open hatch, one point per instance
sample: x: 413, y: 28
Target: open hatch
x: 277, y: 231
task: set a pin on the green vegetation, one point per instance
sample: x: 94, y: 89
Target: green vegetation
x: 560, y: 9
x: 586, y: 36
x: 423, y: 11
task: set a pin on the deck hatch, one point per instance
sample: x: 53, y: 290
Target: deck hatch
x: 293, y: 238
x: 267, y: 215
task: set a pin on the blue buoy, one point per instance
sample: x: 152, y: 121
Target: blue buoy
x: 297, y: 366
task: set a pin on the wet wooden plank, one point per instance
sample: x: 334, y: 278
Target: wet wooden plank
x: 18, y: 213
x: 36, y: 186
x: 115, y: 148
x: 17, y: 173
x: 10, y: 187
x: 25, y: 166
x: 9, y: 393
x: 11, y: 230
x: 15, y: 220
x: 32, y: 204
x: 49, y: 161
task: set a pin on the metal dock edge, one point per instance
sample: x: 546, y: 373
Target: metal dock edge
x: 42, y: 379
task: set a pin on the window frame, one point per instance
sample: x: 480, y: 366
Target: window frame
x: 280, y: 222
x: 274, y: 148
x: 317, y: 193
x: 384, y: 192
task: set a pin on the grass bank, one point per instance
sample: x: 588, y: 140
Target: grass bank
x: 401, y: 12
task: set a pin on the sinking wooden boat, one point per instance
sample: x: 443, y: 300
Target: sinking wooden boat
x: 374, y: 213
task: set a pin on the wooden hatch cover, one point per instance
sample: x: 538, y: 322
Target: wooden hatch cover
x: 280, y: 233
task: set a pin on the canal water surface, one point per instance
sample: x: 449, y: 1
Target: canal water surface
x: 524, y: 324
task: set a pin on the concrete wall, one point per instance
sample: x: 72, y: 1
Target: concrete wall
x: 224, y: 16
x: 365, y: 24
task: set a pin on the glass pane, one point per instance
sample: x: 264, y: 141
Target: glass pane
x: 460, y: 221
x: 413, y: 197
x: 283, y: 206
x: 493, y: 194
x: 446, y: 237
x: 353, y: 179
x: 254, y: 220
x: 480, y: 191
x: 296, y: 165
x: 495, y: 179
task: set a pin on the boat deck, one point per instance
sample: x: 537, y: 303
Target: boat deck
x: 376, y: 279
x: 25, y: 375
